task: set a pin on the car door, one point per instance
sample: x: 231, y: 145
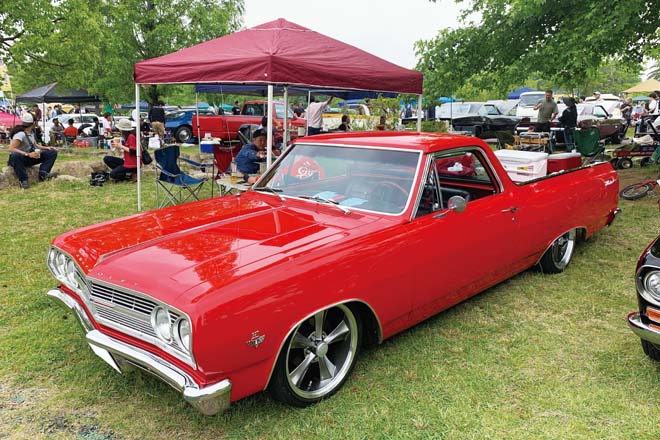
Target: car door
x: 460, y: 254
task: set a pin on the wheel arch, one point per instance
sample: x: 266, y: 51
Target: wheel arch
x: 372, y: 328
x: 580, y: 235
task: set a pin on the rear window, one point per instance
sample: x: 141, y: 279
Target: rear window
x: 530, y: 100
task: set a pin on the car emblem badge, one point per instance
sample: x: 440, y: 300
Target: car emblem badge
x: 256, y: 339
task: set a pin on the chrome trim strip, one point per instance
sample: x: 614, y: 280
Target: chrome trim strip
x: 68, y: 303
x: 642, y: 330
x: 208, y: 400
x: 380, y: 329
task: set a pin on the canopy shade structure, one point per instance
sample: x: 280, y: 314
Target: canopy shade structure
x: 650, y: 85
x: 279, y: 52
x: 50, y: 93
x: 516, y: 93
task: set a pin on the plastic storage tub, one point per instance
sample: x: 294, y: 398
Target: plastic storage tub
x: 522, y: 166
x: 564, y: 161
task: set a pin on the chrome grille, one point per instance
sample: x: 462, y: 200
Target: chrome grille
x: 130, y: 313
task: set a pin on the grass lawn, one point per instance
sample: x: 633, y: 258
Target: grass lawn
x: 536, y: 357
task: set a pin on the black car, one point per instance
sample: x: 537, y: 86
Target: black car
x: 646, y: 322
x: 482, y: 119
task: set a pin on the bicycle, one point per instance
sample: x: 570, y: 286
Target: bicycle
x: 639, y: 190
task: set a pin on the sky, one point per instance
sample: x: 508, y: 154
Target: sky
x: 385, y: 28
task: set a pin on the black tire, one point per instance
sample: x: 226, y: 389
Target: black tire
x: 652, y: 351
x: 635, y: 191
x: 559, y: 254
x: 625, y: 163
x: 307, y: 356
x: 183, y: 134
x: 615, y: 163
x: 645, y: 162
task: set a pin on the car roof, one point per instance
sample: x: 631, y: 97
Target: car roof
x: 405, y: 140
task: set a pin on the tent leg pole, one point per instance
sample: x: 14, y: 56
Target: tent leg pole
x: 269, y: 127
x: 419, y: 113
x: 138, y: 147
x: 285, y: 140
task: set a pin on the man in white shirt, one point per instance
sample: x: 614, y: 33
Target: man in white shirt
x: 106, y: 125
x: 314, y: 115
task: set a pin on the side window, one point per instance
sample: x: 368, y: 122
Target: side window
x: 254, y: 109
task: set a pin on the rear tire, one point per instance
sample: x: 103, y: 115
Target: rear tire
x: 318, y: 357
x: 559, y: 254
x: 652, y: 351
x: 635, y: 191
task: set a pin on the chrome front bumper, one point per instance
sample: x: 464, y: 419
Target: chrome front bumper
x: 122, y: 356
x: 642, y: 330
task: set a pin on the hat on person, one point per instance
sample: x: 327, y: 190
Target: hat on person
x: 596, y: 93
x: 124, y: 125
x: 27, y: 119
x: 258, y: 133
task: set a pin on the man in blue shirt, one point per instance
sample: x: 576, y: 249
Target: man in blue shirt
x: 247, y: 160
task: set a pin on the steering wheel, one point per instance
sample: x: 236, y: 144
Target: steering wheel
x: 390, y: 193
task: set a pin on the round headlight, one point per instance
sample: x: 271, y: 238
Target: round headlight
x: 652, y: 284
x: 184, y: 332
x: 60, y: 264
x: 71, y: 274
x: 160, y: 319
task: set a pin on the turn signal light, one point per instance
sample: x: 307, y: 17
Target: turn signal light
x: 653, y: 314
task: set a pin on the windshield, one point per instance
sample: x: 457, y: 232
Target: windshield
x: 530, y: 100
x: 489, y: 109
x: 363, y: 178
x: 452, y: 110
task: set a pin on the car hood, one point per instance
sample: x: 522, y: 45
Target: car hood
x: 165, y: 253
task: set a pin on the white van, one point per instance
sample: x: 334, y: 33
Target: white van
x: 526, y: 105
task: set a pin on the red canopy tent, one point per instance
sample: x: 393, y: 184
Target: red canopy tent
x: 279, y: 53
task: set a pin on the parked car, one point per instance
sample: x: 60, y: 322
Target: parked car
x: 78, y: 120
x: 482, y: 119
x: 180, y: 123
x: 645, y: 323
x: 602, y: 115
x: 526, y: 104
x: 280, y: 287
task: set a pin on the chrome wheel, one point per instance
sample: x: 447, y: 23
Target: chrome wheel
x: 562, y: 249
x: 321, y: 352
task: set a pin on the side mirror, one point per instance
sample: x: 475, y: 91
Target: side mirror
x: 456, y: 203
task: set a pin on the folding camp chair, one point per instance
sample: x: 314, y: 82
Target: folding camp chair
x: 587, y: 143
x: 177, y: 186
x: 504, y: 138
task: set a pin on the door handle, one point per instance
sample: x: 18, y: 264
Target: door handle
x: 512, y: 209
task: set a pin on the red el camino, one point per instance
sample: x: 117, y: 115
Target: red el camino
x: 345, y: 241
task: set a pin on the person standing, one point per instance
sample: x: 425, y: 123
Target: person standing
x: 314, y: 115
x: 298, y: 110
x: 157, y: 119
x: 236, y: 110
x: 106, y: 125
x: 24, y: 152
x: 548, y: 110
x: 568, y: 121
x: 121, y: 168
x: 597, y: 97
x: 626, y: 112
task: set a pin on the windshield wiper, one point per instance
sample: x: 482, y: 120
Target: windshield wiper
x: 318, y: 198
x: 270, y: 190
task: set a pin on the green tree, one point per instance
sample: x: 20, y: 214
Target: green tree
x: 562, y: 40
x: 94, y: 44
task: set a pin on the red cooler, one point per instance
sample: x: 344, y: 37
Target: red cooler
x: 563, y: 161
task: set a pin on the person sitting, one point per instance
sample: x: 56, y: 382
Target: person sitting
x: 24, y: 152
x: 71, y: 132
x: 121, y: 168
x: 382, y: 124
x: 345, y: 123
x: 56, y: 131
x: 248, y: 159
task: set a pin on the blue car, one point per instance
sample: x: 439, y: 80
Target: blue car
x: 179, y: 123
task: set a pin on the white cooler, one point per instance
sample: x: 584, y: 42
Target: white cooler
x: 522, y: 166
